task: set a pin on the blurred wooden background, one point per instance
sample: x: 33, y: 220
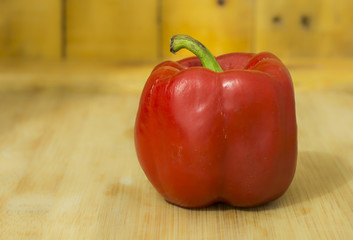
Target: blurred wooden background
x: 139, y: 30
x: 71, y: 75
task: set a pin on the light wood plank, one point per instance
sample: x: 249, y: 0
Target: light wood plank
x: 69, y: 170
x: 109, y: 29
x: 30, y: 29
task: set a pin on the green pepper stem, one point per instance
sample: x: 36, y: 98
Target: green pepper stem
x: 180, y: 41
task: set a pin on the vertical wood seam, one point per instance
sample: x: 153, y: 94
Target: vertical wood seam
x: 253, y: 26
x: 159, y: 29
x: 63, y: 29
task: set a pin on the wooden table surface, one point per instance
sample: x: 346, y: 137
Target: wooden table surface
x: 68, y: 167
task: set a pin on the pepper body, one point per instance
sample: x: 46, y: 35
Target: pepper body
x: 202, y: 137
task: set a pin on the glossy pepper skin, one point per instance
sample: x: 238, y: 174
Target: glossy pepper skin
x: 203, y: 137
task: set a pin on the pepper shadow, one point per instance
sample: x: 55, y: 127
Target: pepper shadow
x: 318, y: 174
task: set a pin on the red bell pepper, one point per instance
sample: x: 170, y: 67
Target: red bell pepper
x: 218, y: 129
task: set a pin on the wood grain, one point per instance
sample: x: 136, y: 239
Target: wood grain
x: 68, y: 169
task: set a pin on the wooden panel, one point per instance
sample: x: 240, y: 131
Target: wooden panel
x: 301, y: 28
x: 30, y: 29
x: 221, y: 25
x: 110, y: 29
x: 139, y: 30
